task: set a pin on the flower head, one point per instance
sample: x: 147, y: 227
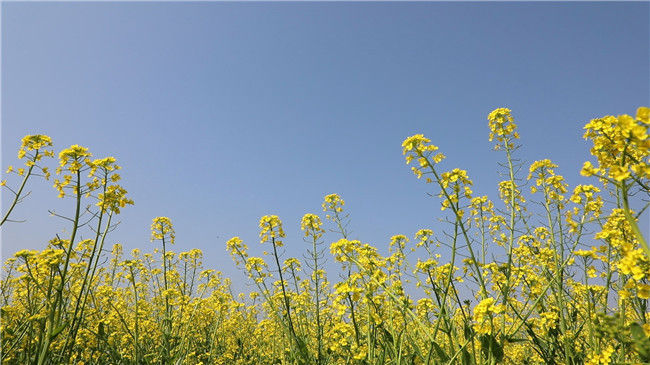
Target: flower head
x: 74, y: 158
x: 113, y: 199
x: 271, y: 229
x: 162, y: 228
x: 311, y: 224
x: 35, y: 142
x: 621, y: 146
x: 419, y: 147
x: 502, y: 126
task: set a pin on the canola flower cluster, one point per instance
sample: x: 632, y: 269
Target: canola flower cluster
x: 557, y: 276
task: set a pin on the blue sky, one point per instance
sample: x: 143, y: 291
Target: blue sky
x: 222, y: 112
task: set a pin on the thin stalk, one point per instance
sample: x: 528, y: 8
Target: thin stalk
x: 631, y: 220
x: 17, y: 194
x: 167, y: 321
x: 54, y: 316
x: 511, y: 238
x: 319, y: 326
x: 137, y: 323
x: 82, y: 298
x: 454, y: 208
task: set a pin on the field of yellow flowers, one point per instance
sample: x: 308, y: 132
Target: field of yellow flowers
x: 567, y: 283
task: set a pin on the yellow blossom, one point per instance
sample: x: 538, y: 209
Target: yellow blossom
x: 271, y: 229
x: 162, y: 228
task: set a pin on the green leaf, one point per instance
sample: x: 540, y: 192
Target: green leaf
x: 641, y: 341
x: 513, y: 340
x: 466, y: 357
x: 468, y: 331
x: 58, y: 330
x: 490, y: 347
x: 440, y: 352
x: 101, y: 331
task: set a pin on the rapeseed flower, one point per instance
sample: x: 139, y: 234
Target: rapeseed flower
x: 161, y: 229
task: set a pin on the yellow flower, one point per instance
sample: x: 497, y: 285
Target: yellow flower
x: 333, y: 203
x: 113, y: 199
x: 545, y: 166
x: 342, y: 248
x: 643, y: 115
x: 162, y: 228
x: 74, y: 158
x: 424, y: 237
x: 483, y: 312
x: 105, y: 164
x: 507, y: 189
x: 619, y: 173
x: 587, y: 253
x: 312, y: 223
x: 426, y: 266
x: 35, y: 142
x: 455, y: 176
x: 634, y: 263
x: 271, y: 228
x: 419, y: 147
x: 417, y: 143
x: 398, y: 240
x: 602, y: 358
x: 256, y: 265
x: 643, y: 291
x: 584, y: 193
x: 291, y: 263
x: 588, y: 169
x: 26, y: 253
x: 502, y: 126
x: 620, y: 144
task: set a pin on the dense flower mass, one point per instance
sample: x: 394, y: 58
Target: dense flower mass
x: 74, y: 158
x: 113, y: 199
x: 33, y: 144
x: 547, y: 274
x: 502, y: 126
x: 621, y: 146
x: 271, y: 229
x: 312, y: 225
x: 420, y: 148
x: 162, y: 228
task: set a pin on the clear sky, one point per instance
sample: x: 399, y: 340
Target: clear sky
x: 222, y: 112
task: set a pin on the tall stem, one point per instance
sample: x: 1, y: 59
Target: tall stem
x: 17, y: 194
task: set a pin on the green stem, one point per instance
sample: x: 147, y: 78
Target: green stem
x: 54, y: 316
x: 284, y: 292
x: 632, y: 221
x: 167, y: 321
x: 17, y: 195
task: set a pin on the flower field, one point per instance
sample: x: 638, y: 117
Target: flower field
x: 544, y: 274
